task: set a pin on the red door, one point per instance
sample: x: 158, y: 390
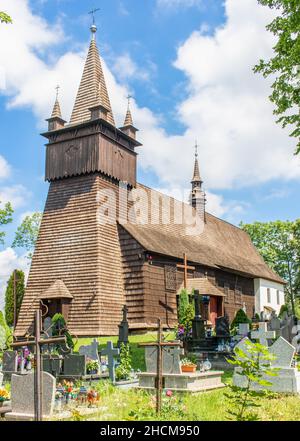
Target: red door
x: 213, y: 309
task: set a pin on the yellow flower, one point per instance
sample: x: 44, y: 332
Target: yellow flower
x: 4, y: 395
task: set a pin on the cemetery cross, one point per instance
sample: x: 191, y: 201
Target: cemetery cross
x: 37, y: 343
x: 185, y: 267
x: 263, y: 335
x: 111, y: 353
x: 160, y: 344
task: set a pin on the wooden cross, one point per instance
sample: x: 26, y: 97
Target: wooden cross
x: 160, y: 344
x: 37, y: 342
x: 186, y: 267
x: 263, y: 335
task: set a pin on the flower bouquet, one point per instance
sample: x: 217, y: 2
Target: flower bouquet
x: 4, y: 396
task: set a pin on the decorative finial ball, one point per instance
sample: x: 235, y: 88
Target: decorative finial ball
x: 93, y: 28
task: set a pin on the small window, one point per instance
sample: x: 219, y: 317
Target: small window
x: 269, y: 295
x: 278, y: 297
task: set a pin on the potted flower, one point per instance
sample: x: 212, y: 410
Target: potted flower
x: 4, y: 396
x: 92, y: 367
x: 188, y: 366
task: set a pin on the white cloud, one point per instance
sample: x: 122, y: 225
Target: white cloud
x: 4, y: 168
x: 178, y: 3
x: 9, y: 261
x: 125, y: 68
x: 226, y: 106
x: 17, y: 195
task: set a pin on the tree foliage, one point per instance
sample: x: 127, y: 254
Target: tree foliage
x: 285, y: 64
x: 27, y: 233
x: 9, y: 296
x: 279, y: 244
x: 254, y: 365
x: 240, y: 317
x: 5, y: 18
x: 186, y: 311
x: 5, y: 218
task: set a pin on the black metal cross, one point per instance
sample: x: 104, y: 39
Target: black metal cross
x: 93, y: 12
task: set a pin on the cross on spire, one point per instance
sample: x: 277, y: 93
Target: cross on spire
x: 128, y: 100
x: 196, y: 148
x: 94, y: 27
x: 57, y: 90
x: 93, y: 12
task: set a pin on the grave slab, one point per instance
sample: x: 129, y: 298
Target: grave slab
x: 22, y: 397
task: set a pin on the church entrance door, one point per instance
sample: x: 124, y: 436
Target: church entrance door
x: 215, y: 308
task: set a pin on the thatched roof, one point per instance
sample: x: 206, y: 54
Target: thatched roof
x: 220, y: 245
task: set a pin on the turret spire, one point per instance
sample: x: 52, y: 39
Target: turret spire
x: 128, y: 118
x: 197, y: 196
x: 92, y: 88
x: 56, y: 112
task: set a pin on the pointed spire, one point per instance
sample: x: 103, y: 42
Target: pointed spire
x: 128, y: 118
x: 92, y: 88
x: 56, y: 112
x: 196, y: 175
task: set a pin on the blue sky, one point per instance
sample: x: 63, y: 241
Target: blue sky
x: 188, y: 64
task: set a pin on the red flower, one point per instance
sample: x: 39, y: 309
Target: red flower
x: 169, y: 393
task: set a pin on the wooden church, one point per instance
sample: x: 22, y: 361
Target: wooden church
x: 87, y: 270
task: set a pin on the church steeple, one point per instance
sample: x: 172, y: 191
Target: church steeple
x: 128, y: 126
x: 92, y: 90
x: 197, y: 196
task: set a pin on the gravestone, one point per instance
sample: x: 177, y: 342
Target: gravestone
x: 1, y: 379
x: 74, y: 366
x: 222, y: 327
x: 10, y: 362
x: 274, y: 323
x: 170, y: 359
x: 22, y: 396
x: 123, y: 328
x: 243, y: 331
x: 52, y: 365
x: 262, y: 334
x: 287, y: 330
x: 91, y: 351
x: 111, y: 353
x: 287, y: 379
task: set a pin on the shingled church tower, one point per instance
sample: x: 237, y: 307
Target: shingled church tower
x: 76, y: 267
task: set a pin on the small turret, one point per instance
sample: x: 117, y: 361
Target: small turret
x: 128, y: 126
x: 197, y: 196
x: 56, y: 122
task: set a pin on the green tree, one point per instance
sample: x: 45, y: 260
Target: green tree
x: 254, y: 365
x: 279, y: 244
x: 27, y: 233
x: 9, y: 296
x: 5, y: 18
x: 5, y: 218
x: 5, y: 332
x: 285, y: 63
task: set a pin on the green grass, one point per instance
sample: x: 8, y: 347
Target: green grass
x: 124, y: 405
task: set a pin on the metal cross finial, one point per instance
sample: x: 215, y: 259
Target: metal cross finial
x: 93, y: 12
x: 94, y: 27
x: 196, y: 148
x: 128, y: 99
x: 57, y: 90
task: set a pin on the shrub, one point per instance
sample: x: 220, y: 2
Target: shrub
x: 124, y: 369
x: 240, y: 317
